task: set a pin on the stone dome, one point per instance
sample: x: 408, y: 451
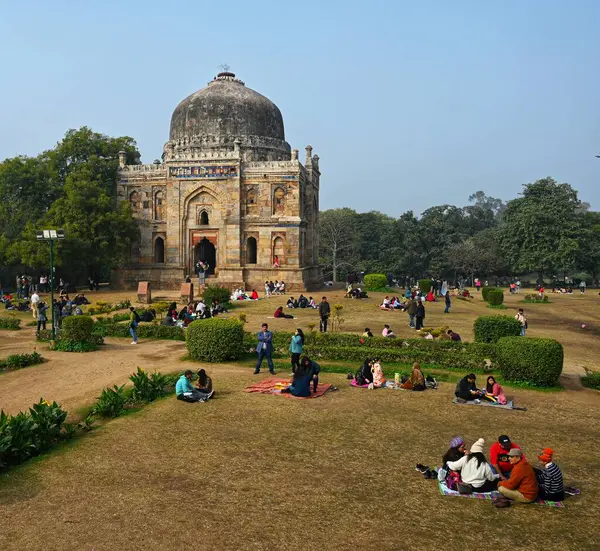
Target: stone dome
x: 226, y: 108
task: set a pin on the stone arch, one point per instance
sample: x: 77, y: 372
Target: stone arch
x: 278, y: 200
x: 203, y: 219
x: 251, y: 202
x: 159, y: 250
x: 135, y: 200
x: 251, y: 250
x: 278, y: 250
x: 159, y: 205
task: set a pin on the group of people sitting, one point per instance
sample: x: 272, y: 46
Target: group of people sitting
x: 370, y: 375
x: 467, y: 470
x: 193, y: 311
x: 277, y: 288
x: 202, y: 392
x: 466, y: 390
x: 301, y: 302
x: 355, y: 292
x: 240, y: 294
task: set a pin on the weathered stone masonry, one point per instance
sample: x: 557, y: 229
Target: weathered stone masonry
x: 229, y: 191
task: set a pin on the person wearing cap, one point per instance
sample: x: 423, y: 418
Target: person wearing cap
x: 499, y: 456
x: 522, y: 486
x: 550, y: 478
x: 456, y: 451
x: 475, y: 472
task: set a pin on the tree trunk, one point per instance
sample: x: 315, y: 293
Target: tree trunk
x: 334, y: 263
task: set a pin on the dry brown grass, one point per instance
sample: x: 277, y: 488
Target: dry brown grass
x: 261, y: 472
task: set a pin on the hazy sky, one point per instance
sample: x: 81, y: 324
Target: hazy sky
x: 408, y: 104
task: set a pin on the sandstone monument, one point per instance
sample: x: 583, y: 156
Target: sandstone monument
x: 229, y: 192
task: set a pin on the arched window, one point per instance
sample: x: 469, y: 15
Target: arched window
x: 278, y: 251
x: 159, y: 206
x: 251, y: 206
x: 159, y: 250
x: 135, y: 200
x: 204, y: 218
x: 251, y: 250
x: 278, y: 201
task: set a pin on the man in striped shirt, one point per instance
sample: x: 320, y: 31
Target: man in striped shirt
x: 550, y: 478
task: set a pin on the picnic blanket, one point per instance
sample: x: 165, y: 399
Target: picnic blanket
x: 509, y: 404
x: 268, y: 386
x: 354, y: 383
x: 445, y: 491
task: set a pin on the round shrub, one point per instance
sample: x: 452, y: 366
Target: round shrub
x: 495, y: 297
x: 485, y: 291
x: 375, y: 282
x: 425, y: 285
x: 214, y: 293
x: 493, y: 328
x: 77, y: 328
x: 215, y: 339
x: 530, y: 360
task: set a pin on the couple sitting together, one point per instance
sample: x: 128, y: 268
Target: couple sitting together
x: 370, y: 374
x: 304, y: 374
x: 508, y: 472
x: 202, y: 392
x: 466, y: 390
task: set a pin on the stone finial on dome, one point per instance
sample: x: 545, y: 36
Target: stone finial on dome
x: 227, y: 76
x: 308, y: 155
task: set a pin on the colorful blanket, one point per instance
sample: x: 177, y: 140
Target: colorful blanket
x: 445, y: 491
x: 272, y: 385
x: 509, y: 405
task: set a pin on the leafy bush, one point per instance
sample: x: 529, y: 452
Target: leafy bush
x: 108, y: 328
x: 160, y: 306
x: 18, y: 361
x: 536, y: 299
x: 492, y: 328
x: 64, y: 345
x: 531, y: 360
x: 125, y: 303
x: 214, y: 293
x: 375, y: 282
x: 43, y: 335
x: 28, y: 434
x: 10, y: 323
x: 591, y: 380
x: 147, y: 388
x: 111, y: 402
x: 425, y: 285
x: 485, y: 291
x: 495, y: 297
x: 215, y: 339
x: 77, y: 328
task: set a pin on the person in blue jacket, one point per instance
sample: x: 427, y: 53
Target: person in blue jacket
x: 265, y: 349
x: 296, y: 346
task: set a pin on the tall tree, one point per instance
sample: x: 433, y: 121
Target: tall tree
x: 338, y: 241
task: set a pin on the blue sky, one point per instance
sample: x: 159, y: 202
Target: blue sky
x: 408, y: 104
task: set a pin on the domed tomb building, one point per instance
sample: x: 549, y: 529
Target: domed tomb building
x: 230, y: 192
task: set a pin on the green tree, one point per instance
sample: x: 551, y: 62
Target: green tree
x: 540, y: 230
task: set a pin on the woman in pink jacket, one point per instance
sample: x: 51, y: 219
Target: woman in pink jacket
x: 494, y: 392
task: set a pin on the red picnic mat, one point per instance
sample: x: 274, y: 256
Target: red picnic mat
x: 267, y: 386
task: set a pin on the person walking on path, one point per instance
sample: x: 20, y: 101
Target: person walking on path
x: 520, y: 317
x: 134, y: 320
x: 324, y: 311
x: 420, y: 315
x: 35, y: 300
x: 448, y: 303
x: 264, y: 349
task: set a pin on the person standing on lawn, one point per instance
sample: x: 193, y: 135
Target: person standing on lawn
x: 522, y: 485
x: 411, y: 310
x: 324, y: 311
x: 520, y: 317
x: 42, y: 318
x: 420, y: 315
x: 264, y: 349
x: 448, y: 302
x: 35, y: 300
x: 296, y: 346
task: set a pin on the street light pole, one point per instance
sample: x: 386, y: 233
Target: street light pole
x: 51, y: 236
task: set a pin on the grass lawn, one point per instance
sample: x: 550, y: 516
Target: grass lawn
x: 248, y: 471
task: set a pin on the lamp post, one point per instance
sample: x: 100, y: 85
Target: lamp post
x: 51, y: 236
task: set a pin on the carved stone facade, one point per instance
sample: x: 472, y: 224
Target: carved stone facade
x: 229, y: 191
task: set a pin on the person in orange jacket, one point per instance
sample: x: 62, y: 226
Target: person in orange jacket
x: 522, y: 485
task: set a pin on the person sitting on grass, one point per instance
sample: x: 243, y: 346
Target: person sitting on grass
x: 499, y: 455
x: 385, y: 305
x: 300, y: 386
x: 367, y: 334
x: 312, y: 303
x: 453, y: 336
x: 387, y: 332
x: 475, y: 472
x: 378, y: 378
x: 456, y: 450
x: 550, y: 478
x: 290, y: 302
x: 430, y: 297
x: 416, y: 380
x: 364, y: 376
x: 494, y: 392
x: 204, y: 383
x: 522, y: 485
x: 186, y: 392
x: 313, y: 368
x: 466, y: 389
x: 279, y: 313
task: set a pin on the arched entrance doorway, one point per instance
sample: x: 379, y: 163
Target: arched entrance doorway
x: 206, y: 252
x: 251, y: 250
x: 159, y: 250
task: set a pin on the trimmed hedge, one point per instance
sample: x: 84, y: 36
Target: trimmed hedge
x: 532, y: 360
x: 493, y: 328
x: 77, y: 328
x: 215, y: 339
x: 109, y: 328
x: 485, y: 291
x: 425, y: 285
x: 495, y: 297
x: 375, y: 282
x: 11, y: 324
x: 18, y: 361
x: 215, y: 292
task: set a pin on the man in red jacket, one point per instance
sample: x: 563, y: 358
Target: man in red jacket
x: 499, y: 456
x: 522, y: 485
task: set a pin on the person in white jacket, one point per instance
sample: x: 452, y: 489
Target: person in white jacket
x: 475, y: 472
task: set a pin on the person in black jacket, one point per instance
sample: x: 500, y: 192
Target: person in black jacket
x: 466, y: 388
x: 420, y: 315
x: 324, y: 311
